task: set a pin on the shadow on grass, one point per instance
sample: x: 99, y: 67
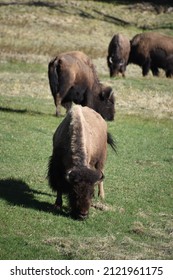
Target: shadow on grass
x: 23, y: 111
x: 18, y: 193
x: 10, y: 110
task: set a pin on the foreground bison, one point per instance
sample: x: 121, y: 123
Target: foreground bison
x: 118, y: 54
x: 152, y: 50
x: 78, y: 158
x: 73, y: 78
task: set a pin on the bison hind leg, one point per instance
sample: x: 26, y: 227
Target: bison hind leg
x: 57, y: 101
x: 169, y: 74
x: 101, y: 192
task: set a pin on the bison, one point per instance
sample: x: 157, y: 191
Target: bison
x: 78, y: 158
x: 152, y: 50
x: 73, y: 78
x: 118, y: 55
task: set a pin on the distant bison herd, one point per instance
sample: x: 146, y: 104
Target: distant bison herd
x: 80, y: 141
x: 149, y: 50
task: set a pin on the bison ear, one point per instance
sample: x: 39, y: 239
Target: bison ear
x: 101, y: 177
x: 98, y: 176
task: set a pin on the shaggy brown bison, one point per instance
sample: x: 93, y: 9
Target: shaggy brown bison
x: 118, y: 54
x: 78, y: 158
x: 151, y: 50
x: 73, y: 78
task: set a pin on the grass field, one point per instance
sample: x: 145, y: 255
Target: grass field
x: 136, y: 220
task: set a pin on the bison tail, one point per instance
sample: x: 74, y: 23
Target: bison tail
x: 111, y: 142
x: 53, y: 76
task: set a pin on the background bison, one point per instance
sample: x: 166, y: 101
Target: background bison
x: 73, y: 78
x: 152, y: 50
x: 118, y: 54
x: 78, y: 158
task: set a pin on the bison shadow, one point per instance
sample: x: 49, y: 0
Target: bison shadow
x: 21, y: 111
x: 18, y: 193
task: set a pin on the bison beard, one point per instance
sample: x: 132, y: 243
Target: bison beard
x: 78, y: 185
x: 82, y: 190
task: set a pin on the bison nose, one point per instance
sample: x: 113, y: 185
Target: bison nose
x: 83, y: 215
x: 109, y: 118
x: 79, y: 215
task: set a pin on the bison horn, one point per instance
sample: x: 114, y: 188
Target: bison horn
x: 110, y: 59
x: 71, y: 175
x: 68, y: 175
x: 111, y: 93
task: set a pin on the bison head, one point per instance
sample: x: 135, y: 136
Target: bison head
x: 82, y: 183
x: 115, y: 65
x: 106, y: 103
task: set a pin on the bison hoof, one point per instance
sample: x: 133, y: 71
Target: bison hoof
x: 57, y: 207
x: 57, y: 114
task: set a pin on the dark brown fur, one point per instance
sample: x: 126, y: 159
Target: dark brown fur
x: 151, y: 50
x: 78, y: 158
x: 118, y: 55
x: 169, y: 66
x: 73, y: 78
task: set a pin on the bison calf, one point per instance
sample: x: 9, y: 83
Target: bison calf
x: 78, y: 158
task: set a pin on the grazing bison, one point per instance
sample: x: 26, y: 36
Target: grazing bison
x: 151, y: 50
x: 78, y: 158
x: 118, y: 55
x: 73, y: 78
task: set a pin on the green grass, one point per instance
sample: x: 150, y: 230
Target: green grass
x: 138, y: 183
x: 136, y: 217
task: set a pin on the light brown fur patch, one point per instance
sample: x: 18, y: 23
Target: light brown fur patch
x: 77, y: 139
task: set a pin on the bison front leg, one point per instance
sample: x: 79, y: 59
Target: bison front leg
x: 155, y: 70
x: 146, y: 67
x: 58, y: 202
